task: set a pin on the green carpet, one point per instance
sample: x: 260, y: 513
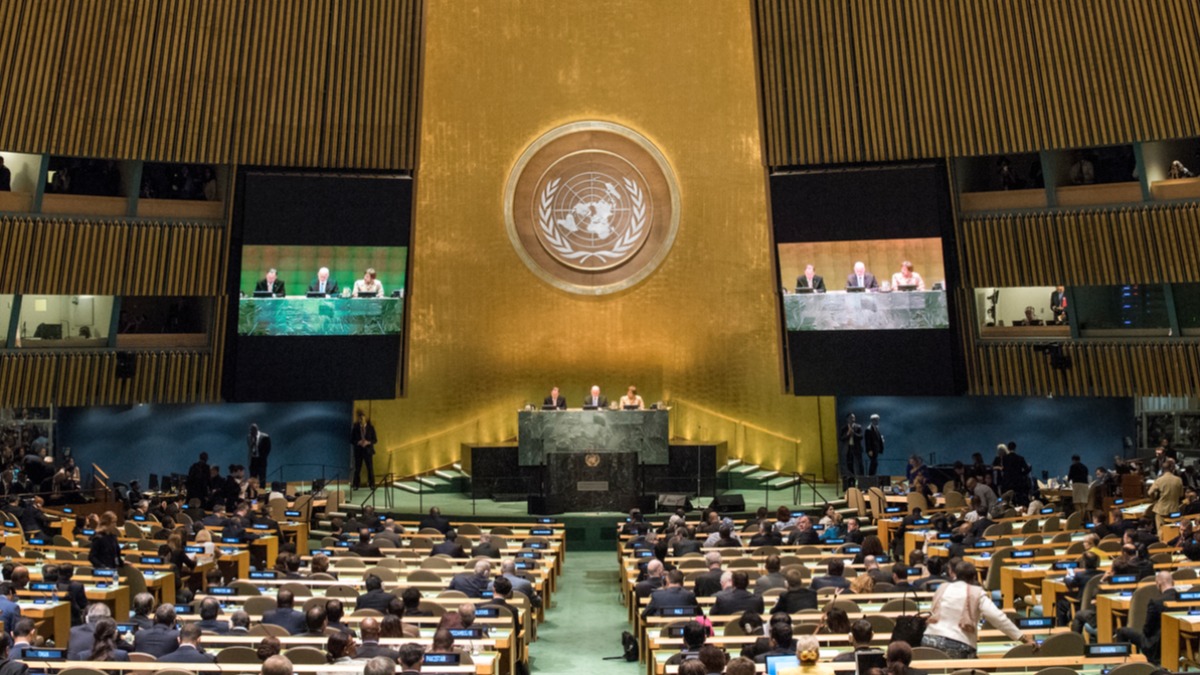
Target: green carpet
x: 586, y: 621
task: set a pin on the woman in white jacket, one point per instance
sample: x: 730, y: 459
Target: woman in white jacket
x: 953, y: 624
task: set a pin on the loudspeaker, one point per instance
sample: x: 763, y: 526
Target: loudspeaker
x: 646, y: 504
x: 670, y: 502
x: 537, y: 505
x: 126, y: 365
x: 729, y: 503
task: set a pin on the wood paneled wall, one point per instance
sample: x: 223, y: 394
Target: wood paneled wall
x: 59, y: 257
x: 867, y: 80
x: 328, y: 83
x: 1147, y: 244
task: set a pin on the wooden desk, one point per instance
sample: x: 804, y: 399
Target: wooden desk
x: 53, y: 619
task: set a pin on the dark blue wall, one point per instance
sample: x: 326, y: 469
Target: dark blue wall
x: 1047, y: 430
x: 131, y: 443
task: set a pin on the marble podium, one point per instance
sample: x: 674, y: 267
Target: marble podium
x: 543, y: 433
x: 866, y: 311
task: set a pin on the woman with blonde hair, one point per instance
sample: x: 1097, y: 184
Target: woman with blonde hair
x: 863, y: 583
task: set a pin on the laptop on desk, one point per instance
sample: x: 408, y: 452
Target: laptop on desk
x: 263, y: 294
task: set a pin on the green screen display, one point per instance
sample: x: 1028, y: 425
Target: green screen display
x: 297, y: 266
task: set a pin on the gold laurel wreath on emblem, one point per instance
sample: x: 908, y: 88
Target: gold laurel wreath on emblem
x: 620, y: 247
x: 591, y: 459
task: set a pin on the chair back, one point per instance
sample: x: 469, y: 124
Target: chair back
x: 422, y: 575
x: 1134, y: 669
x: 244, y: 588
x: 265, y: 629
x: 992, y: 583
x: 1075, y: 520
x: 142, y: 657
x: 134, y: 579
x: 1063, y: 644
x: 916, y: 500
x: 1139, y: 603
x: 384, y: 573
x: 929, y: 654
x: 341, y: 591
x: 1052, y: 524
x: 238, y: 654
x: 1021, y: 651
x: 309, y: 656
x: 298, y: 589
x: 258, y: 605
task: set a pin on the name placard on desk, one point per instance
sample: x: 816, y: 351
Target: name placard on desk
x: 592, y: 486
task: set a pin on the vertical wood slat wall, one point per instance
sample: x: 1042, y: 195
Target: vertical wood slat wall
x: 58, y: 257
x: 1144, y: 244
x: 322, y: 83
x: 874, y: 80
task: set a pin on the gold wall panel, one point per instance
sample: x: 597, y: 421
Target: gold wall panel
x: 329, y: 83
x: 487, y: 336
x: 59, y: 257
x: 1144, y: 244
x: 865, y: 80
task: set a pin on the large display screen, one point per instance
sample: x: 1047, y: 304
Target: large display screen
x: 281, y: 291
x: 319, y: 277
x: 878, y: 284
x: 874, y: 313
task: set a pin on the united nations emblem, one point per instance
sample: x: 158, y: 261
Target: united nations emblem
x: 592, y: 459
x: 592, y: 207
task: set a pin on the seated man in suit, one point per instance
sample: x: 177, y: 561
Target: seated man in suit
x: 24, y: 634
x: 508, y: 570
x: 284, y: 614
x: 435, y: 521
x: 370, y: 647
x: 694, y: 637
x: 239, y: 623
x: 210, y: 608
x: 861, y: 278
x: 710, y: 582
x: 189, y: 648
x: 833, y: 577
x: 375, y: 597
x: 314, y: 622
x: 502, y: 591
x: 861, y: 635
x: 810, y: 280
x: 854, y: 533
x: 773, y: 578
x: 555, y: 400
x: 485, y: 548
x: 475, y: 583
x: 82, y: 637
x: 411, y: 656
x: 796, y: 598
x: 323, y: 284
x: 673, y: 594
x: 782, y: 643
x: 449, y: 547
x: 735, y: 598
x: 143, y: 611
x: 804, y: 534
x: 594, y: 399
x: 655, y: 575
x: 1076, y: 581
x: 161, y: 638
x: 687, y: 543
x: 364, y: 547
x: 271, y: 283
x: 1149, y: 639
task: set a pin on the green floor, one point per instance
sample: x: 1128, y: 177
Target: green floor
x: 586, y: 621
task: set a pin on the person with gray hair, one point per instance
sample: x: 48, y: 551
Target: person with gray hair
x: 83, y: 637
x: 485, y: 548
x: 508, y: 570
x: 143, y: 607
x: 475, y: 583
x: 710, y: 582
x: 323, y: 284
x: 653, y: 580
x: 873, y: 444
x: 380, y: 665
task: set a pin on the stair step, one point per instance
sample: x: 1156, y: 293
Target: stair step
x: 407, y: 486
x: 764, y: 475
x: 744, y: 469
x: 783, y: 482
x: 730, y: 463
x: 450, y: 474
x: 433, y: 482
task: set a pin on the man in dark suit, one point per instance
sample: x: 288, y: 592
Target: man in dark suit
x: 782, y: 643
x: 23, y: 635
x: 258, y: 444
x: 833, y: 577
x: 161, y: 638
x: 854, y: 533
x: 710, y: 582
x: 210, y: 608
x: 1089, y: 567
x: 363, y: 440
x: 655, y: 576
x: 861, y: 634
x: 364, y: 547
x: 555, y: 400
x: 850, y: 436
x: 900, y: 579
x: 767, y: 535
x: 285, y: 615
x: 271, y: 283
x: 370, y: 647
x: 804, y: 534
x: 435, y: 521
x: 375, y: 597
x: 810, y: 280
x: 73, y: 591
x: 1058, y: 304
x: 594, y: 399
x: 873, y: 441
x: 239, y: 623
x: 189, y: 648
x: 735, y: 598
x: 449, y: 547
x: 1149, y: 639
x: 688, y: 543
x: 475, y: 583
x: 673, y: 594
x: 485, y: 548
x: 197, y: 478
x: 323, y: 284
x: 502, y: 591
x: 861, y: 278
x: 797, y: 597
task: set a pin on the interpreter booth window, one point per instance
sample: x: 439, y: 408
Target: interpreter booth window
x: 999, y: 182
x: 6, y: 311
x: 188, y: 191
x: 89, y: 186
x: 1094, y: 176
x: 18, y: 181
x: 64, y: 321
x: 158, y: 322
x: 1022, y: 312
x: 1121, y: 311
x: 1173, y: 168
x: 1187, y: 307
